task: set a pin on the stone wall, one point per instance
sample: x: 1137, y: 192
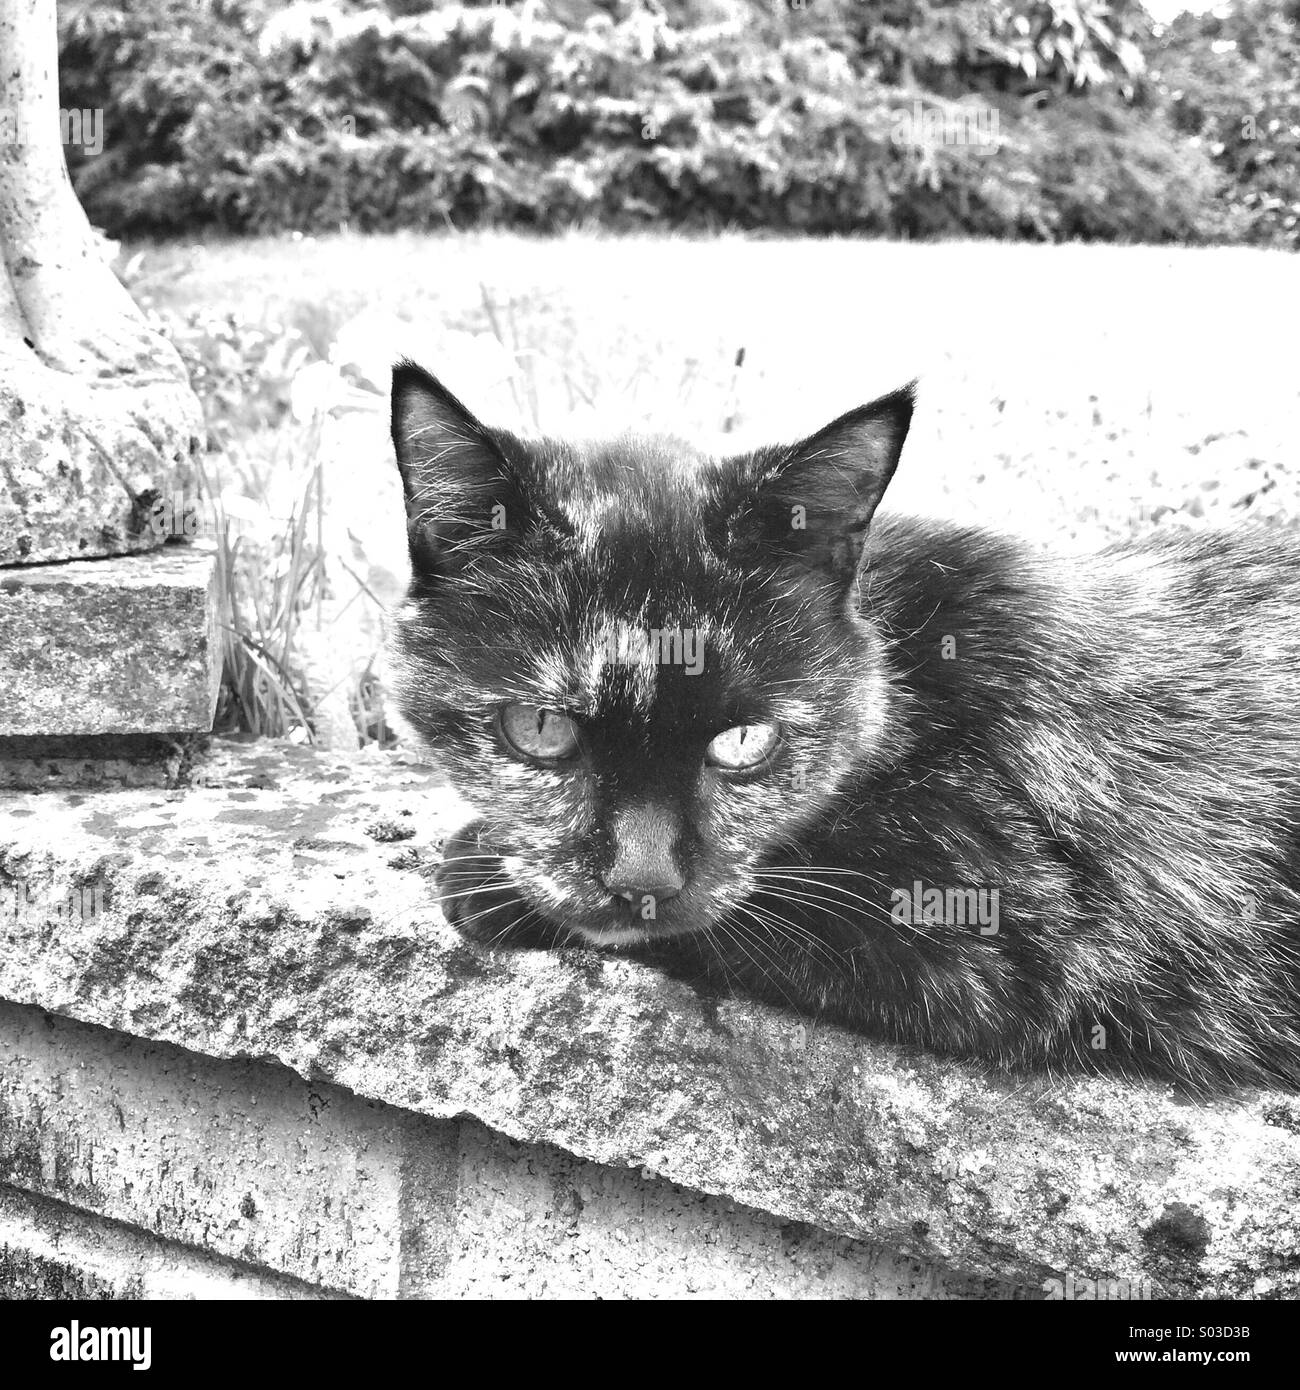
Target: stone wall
x: 243, y: 1055
x: 133, y: 1166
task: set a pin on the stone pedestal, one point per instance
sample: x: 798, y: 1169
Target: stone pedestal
x: 97, y: 425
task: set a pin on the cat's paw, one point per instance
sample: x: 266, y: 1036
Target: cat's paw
x: 478, y: 899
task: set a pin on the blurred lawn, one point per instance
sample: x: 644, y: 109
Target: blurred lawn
x: 1071, y: 393
x: 1064, y: 388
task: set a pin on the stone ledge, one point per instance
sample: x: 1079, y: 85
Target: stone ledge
x: 113, y: 646
x: 248, y: 1162
x: 84, y: 762
x: 283, y: 913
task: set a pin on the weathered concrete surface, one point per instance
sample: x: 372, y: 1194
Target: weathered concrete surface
x: 247, y: 1160
x: 282, y: 913
x: 534, y: 1222
x: 111, y: 646
x: 48, y: 1250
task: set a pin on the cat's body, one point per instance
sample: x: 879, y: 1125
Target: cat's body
x: 921, y: 780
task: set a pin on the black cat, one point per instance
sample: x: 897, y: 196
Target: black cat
x: 915, y: 778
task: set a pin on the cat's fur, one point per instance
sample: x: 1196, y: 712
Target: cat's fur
x: 1110, y: 742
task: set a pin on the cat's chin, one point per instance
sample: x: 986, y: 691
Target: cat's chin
x: 628, y: 936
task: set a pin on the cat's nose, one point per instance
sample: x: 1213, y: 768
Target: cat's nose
x: 645, y: 861
x: 661, y: 887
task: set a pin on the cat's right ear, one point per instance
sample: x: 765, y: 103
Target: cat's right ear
x: 811, y: 503
x: 463, y: 495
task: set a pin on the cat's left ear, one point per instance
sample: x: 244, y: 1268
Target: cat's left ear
x: 812, y: 502
x: 465, y: 494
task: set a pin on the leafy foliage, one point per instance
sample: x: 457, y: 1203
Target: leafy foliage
x: 796, y: 115
x: 1231, y: 79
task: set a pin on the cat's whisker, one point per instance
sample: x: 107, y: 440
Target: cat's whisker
x: 821, y: 905
x: 497, y: 885
x: 800, y: 935
x: 826, y: 877
x: 833, y: 869
x: 720, y: 956
x: 485, y: 912
x: 873, y: 908
x: 529, y: 919
x: 845, y: 892
x: 796, y: 935
x: 461, y: 922
x: 828, y: 885
x: 770, y: 968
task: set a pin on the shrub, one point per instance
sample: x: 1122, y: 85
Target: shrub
x: 696, y: 113
x: 1231, y: 81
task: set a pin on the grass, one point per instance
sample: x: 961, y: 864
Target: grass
x: 263, y: 598
x: 1073, y: 393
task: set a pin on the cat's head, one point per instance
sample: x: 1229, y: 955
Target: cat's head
x: 643, y: 667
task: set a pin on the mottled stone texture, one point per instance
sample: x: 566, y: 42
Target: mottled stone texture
x: 82, y: 463
x: 283, y: 913
x: 111, y: 646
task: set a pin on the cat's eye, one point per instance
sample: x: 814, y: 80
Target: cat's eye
x: 744, y: 747
x: 538, y: 732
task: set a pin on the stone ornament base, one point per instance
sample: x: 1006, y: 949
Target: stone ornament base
x: 80, y: 478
